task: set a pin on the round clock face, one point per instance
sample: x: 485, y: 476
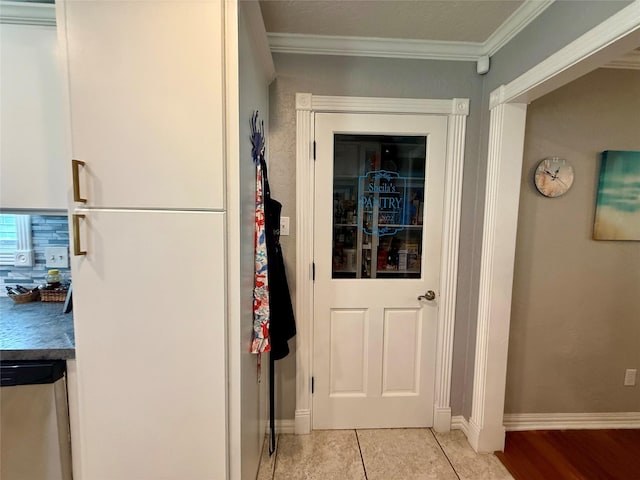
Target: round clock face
x: 554, y: 177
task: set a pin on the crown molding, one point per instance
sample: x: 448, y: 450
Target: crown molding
x: 513, y: 25
x: 403, y: 48
x: 373, y: 47
x: 629, y: 61
x: 28, y: 13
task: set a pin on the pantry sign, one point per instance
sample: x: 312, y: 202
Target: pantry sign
x: 382, y: 200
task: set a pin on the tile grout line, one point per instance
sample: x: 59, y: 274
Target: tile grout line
x: 444, y: 453
x: 364, y: 468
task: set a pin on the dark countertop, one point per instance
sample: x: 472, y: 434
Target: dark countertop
x: 35, y: 331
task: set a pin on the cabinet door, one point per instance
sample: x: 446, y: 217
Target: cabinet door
x: 146, y: 95
x: 149, y: 313
x: 33, y: 166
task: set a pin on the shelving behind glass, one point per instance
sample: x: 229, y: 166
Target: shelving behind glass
x: 378, y: 206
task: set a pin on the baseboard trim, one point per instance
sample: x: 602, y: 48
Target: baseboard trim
x: 442, y: 419
x: 302, y: 421
x: 283, y: 426
x: 570, y: 421
x: 458, y: 422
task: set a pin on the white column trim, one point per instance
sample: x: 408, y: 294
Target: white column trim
x: 307, y: 105
x: 304, y: 258
x: 24, y: 247
x: 506, y: 144
x: 449, y: 269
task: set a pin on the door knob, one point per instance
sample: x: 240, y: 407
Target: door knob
x: 429, y: 295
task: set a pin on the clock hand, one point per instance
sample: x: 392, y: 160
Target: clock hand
x: 561, y: 182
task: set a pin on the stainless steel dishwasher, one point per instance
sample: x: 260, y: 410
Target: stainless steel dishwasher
x: 34, y: 420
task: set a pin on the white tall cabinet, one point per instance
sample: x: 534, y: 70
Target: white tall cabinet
x: 32, y: 148
x: 146, y: 95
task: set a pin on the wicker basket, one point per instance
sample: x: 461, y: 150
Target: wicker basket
x: 53, y: 295
x: 31, y: 296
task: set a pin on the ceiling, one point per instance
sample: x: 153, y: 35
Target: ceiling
x: 466, y: 30
x: 448, y: 20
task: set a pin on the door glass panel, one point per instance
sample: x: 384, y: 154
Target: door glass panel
x: 378, y: 206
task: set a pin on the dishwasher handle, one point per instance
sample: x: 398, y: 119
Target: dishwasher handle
x: 31, y: 372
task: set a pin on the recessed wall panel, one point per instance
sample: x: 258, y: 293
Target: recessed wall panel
x: 401, y: 354
x: 349, y: 350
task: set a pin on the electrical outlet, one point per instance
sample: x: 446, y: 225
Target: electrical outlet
x: 630, y: 377
x: 57, y: 257
x: 284, y: 225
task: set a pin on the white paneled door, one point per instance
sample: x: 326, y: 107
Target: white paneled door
x: 379, y: 183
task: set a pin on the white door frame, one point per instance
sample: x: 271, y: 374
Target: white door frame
x: 615, y: 36
x: 307, y: 105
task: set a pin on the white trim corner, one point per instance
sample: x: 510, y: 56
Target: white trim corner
x: 459, y: 422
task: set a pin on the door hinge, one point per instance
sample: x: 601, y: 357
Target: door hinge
x: 312, y: 384
x: 313, y: 271
x: 314, y: 149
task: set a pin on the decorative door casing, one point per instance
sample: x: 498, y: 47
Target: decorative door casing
x: 456, y: 111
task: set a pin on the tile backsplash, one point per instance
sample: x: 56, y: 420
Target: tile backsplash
x: 47, y: 231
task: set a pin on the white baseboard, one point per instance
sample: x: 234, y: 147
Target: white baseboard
x: 303, y: 422
x: 442, y: 419
x: 283, y: 426
x: 458, y: 422
x: 529, y: 421
x: 570, y: 421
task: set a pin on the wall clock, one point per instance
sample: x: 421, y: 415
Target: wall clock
x: 554, y: 176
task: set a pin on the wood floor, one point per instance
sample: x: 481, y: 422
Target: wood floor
x: 573, y: 455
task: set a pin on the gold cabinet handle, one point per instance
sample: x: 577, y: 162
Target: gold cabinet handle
x: 76, y: 235
x: 75, y: 166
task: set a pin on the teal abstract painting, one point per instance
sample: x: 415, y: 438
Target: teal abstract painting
x: 618, y: 204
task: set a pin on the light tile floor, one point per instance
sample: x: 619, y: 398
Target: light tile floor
x: 390, y: 454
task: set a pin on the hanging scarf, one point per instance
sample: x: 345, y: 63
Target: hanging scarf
x: 260, y: 342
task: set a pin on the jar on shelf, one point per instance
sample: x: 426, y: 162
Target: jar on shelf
x: 53, y: 278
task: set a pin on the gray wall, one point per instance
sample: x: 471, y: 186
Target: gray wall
x: 254, y: 95
x: 326, y: 75
x: 558, y: 25
x: 561, y: 23
x: 575, y: 316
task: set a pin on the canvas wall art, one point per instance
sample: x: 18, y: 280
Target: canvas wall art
x: 618, y: 202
